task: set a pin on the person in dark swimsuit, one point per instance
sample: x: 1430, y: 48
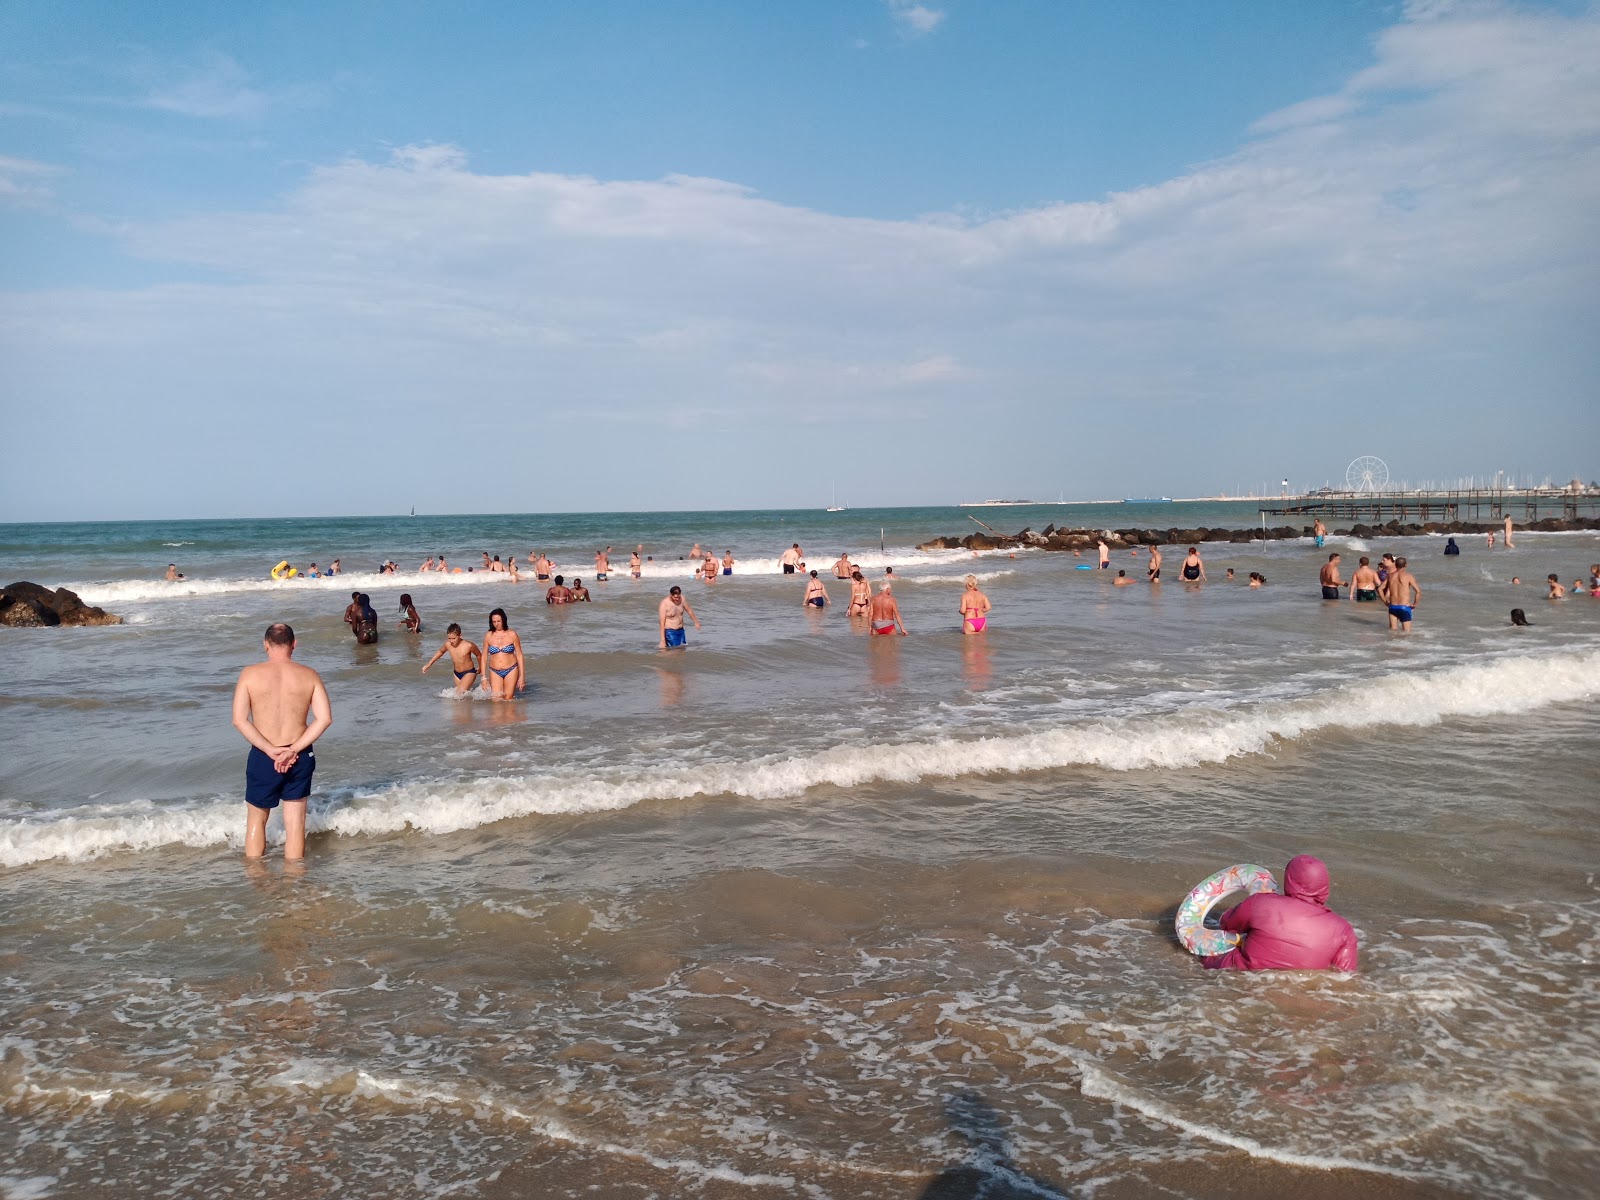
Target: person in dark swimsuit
x: 464, y: 658
x: 365, y: 624
x: 1193, y: 567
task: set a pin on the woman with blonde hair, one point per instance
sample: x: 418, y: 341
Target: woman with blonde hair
x: 974, y: 608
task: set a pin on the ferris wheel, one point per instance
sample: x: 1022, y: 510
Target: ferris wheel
x: 1369, y: 473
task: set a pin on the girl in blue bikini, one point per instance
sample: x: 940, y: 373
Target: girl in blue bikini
x: 502, y: 655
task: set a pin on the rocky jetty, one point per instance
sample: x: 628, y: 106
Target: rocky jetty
x: 1051, y: 538
x: 28, y: 604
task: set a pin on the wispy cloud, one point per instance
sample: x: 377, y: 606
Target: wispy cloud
x: 219, y: 88
x: 913, y: 19
x: 25, y: 183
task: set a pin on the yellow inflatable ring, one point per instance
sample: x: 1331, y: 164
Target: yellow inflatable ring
x: 284, y: 571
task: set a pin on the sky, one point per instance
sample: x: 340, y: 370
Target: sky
x: 350, y: 258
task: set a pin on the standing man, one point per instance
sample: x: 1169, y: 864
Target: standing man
x: 271, y: 703
x: 1364, y: 584
x: 791, y: 556
x: 1401, y: 592
x: 1319, y: 531
x: 602, y: 564
x: 1331, y: 583
x: 1509, y: 544
x: 842, y: 569
x: 1154, y: 570
x: 670, y: 615
x: 885, y: 613
x: 1105, y: 553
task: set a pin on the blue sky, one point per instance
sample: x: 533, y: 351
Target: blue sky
x: 346, y: 258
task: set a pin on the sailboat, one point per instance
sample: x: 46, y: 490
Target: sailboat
x: 836, y: 506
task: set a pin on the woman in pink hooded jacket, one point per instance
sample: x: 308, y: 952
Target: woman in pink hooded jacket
x: 1293, y: 932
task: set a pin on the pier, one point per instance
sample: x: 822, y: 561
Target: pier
x: 1476, y: 504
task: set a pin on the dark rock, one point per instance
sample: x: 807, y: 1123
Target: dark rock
x: 1219, y: 535
x: 941, y: 543
x: 1242, y: 537
x: 28, y: 604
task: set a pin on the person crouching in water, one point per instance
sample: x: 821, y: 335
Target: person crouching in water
x: 1296, y: 931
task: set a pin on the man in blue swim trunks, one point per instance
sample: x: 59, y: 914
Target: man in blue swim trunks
x: 670, y: 614
x: 271, y: 706
x: 1401, y: 593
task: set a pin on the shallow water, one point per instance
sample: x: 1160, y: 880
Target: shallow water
x: 799, y: 911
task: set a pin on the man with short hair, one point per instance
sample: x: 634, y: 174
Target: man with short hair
x: 1364, y: 584
x: 842, y: 569
x: 1401, y: 592
x: 791, y: 556
x: 670, y: 615
x: 1331, y: 583
x: 271, y: 703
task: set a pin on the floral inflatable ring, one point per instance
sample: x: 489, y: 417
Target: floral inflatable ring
x: 1196, y: 937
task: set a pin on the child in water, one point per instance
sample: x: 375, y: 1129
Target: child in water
x: 464, y: 657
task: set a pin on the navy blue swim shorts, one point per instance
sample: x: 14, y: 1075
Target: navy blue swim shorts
x: 264, y: 786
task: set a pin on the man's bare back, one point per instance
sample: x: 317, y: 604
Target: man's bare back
x: 280, y: 708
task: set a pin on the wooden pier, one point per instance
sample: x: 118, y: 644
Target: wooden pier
x: 1486, y: 505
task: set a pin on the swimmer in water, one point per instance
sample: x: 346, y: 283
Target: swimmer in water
x: 1122, y: 580
x: 577, y: 593
x: 557, y: 592
x: 975, y: 608
x: 816, y: 595
x: 1194, y: 568
x: 860, y: 595
x: 502, y: 650
x: 413, y: 619
x: 173, y: 574
x: 1364, y: 584
x: 727, y: 562
x: 1401, y: 592
x: 708, y: 569
x: 842, y: 569
x: 1331, y: 583
x: 427, y: 566
x: 669, y: 617
x: 464, y: 658
x: 1556, y: 592
x: 885, y: 612
x: 602, y: 565
x: 633, y: 563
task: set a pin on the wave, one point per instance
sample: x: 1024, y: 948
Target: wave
x: 132, y: 591
x: 1188, y: 737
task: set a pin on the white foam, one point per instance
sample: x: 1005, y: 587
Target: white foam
x: 130, y: 591
x: 1098, y: 1085
x: 1191, y: 736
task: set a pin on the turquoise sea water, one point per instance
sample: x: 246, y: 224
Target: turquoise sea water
x: 782, y: 912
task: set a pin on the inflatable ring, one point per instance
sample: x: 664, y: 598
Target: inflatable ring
x: 1191, y: 921
x: 284, y: 571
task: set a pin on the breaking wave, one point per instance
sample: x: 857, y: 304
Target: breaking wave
x: 1183, y: 738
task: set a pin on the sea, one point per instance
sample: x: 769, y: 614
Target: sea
x: 796, y: 911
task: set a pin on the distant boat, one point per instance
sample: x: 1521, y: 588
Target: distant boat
x: 836, y: 506
x: 1148, y: 500
x: 413, y: 510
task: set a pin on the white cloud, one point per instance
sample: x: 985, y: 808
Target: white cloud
x: 26, y: 183
x: 916, y: 20
x: 219, y: 88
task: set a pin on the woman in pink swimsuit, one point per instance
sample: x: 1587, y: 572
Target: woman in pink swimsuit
x: 974, y: 608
